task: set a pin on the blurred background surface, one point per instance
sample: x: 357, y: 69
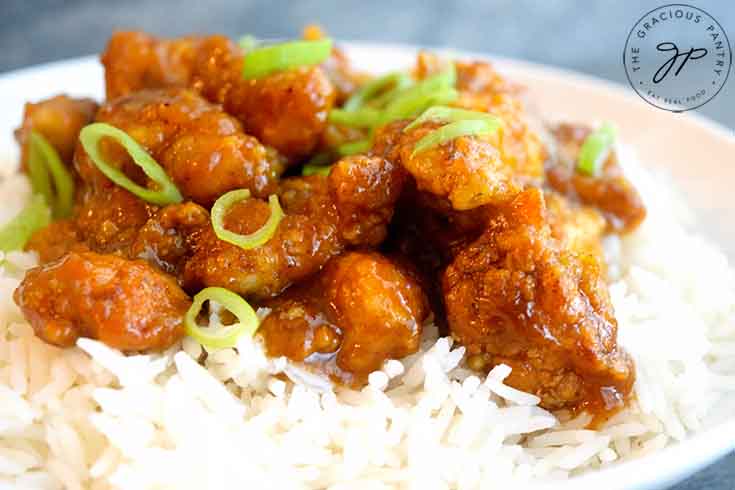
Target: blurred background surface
x: 578, y: 35
x: 584, y: 36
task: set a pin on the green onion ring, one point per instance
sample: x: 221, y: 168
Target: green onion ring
x: 468, y: 127
x: 34, y: 216
x: 374, y: 87
x: 225, y: 336
x: 255, y: 239
x: 450, y: 114
x: 353, y: 147
x: 90, y: 137
x: 595, y: 149
x: 42, y: 161
x: 263, y: 61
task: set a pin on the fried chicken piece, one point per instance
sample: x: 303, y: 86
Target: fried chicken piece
x: 578, y: 229
x: 201, y: 148
x: 468, y: 171
x: 54, y: 241
x: 610, y: 192
x: 59, y: 119
x: 286, y: 110
x: 304, y: 241
x: 108, y: 220
x: 360, y: 311
x: 516, y: 297
x: 344, y: 77
x: 365, y: 190
x: 165, y: 239
x: 126, y: 304
x: 323, y: 216
x: 481, y: 88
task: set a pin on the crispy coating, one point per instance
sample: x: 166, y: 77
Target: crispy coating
x: 286, y: 110
x: 201, y: 148
x: 108, y: 220
x: 350, y: 208
x: 59, y: 119
x: 365, y: 190
x: 610, y: 192
x: 467, y: 171
x: 344, y: 77
x: 482, y: 88
x: 304, y: 241
x: 360, y: 311
x: 165, y: 239
x: 578, y: 229
x: 54, y: 241
x: 126, y: 304
x: 516, y: 297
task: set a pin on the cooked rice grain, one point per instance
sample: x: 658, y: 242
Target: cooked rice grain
x: 92, y: 418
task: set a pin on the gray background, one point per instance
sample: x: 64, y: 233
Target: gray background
x: 583, y: 36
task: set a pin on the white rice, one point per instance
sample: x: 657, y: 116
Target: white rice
x: 91, y: 418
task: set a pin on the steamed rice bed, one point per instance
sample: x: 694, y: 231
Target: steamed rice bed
x: 92, y: 418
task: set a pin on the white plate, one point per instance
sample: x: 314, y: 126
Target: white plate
x: 699, y: 154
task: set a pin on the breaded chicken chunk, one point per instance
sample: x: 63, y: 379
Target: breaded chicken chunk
x: 610, y: 192
x: 286, y: 110
x: 360, y: 311
x: 201, y: 148
x: 59, y: 119
x: 128, y: 305
x: 516, y: 297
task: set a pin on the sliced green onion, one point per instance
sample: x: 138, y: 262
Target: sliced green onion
x: 469, y: 127
x: 595, y: 149
x: 441, y: 113
x: 263, y: 61
x: 361, y: 118
x: 90, y: 137
x: 382, y: 100
x: 353, y: 147
x: 319, y: 164
x: 316, y: 170
x: 42, y: 161
x: 255, y: 239
x: 374, y: 87
x: 34, y: 216
x: 247, y: 42
x: 443, y: 80
x: 223, y: 336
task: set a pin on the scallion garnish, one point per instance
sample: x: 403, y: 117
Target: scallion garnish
x: 265, y: 60
x: 434, y: 90
x: 468, y: 127
x: 222, y: 336
x: 308, y: 170
x: 360, y: 118
x: 319, y: 164
x: 253, y: 240
x: 595, y: 149
x: 167, y: 193
x: 353, y: 147
x: 34, y: 216
x: 43, y: 160
x: 396, y: 81
x: 450, y: 114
